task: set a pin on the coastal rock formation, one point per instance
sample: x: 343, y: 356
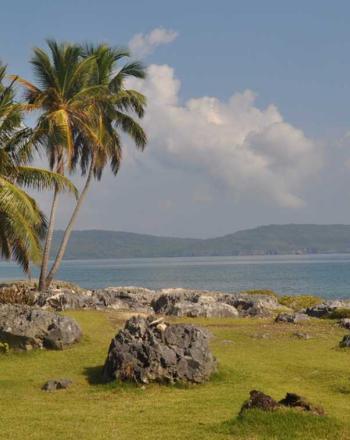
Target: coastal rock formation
x: 181, y: 302
x: 150, y: 350
x: 293, y: 318
x: 264, y: 402
x: 251, y: 304
x: 345, y: 342
x: 24, y: 327
x: 328, y: 308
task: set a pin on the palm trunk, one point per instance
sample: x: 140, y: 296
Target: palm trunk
x: 69, y: 228
x: 48, y: 242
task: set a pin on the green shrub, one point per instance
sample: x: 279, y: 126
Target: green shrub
x: 4, y: 347
x: 339, y: 314
x: 298, y: 302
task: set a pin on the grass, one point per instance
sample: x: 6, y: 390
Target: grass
x: 252, y: 353
x: 299, y: 302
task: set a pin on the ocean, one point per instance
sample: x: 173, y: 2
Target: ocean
x: 325, y: 275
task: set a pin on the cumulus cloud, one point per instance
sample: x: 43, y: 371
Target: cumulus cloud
x: 251, y: 151
x: 142, y: 45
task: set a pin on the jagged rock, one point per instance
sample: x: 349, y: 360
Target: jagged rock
x: 327, y: 308
x: 345, y: 342
x: 126, y: 298
x: 293, y: 318
x: 193, y: 305
x: 56, y: 384
x: 251, y: 305
x: 264, y: 402
x: 345, y: 323
x: 25, y: 327
x: 295, y: 401
x: 148, y: 349
x: 259, y: 400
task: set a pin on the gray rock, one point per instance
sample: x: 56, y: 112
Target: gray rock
x: 149, y: 350
x: 251, y: 305
x: 293, y: 318
x: 327, y: 308
x: 130, y: 298
x: 56, y: 384
x: 345, y: 342
x: 24, y: 327
x: 345, y: 323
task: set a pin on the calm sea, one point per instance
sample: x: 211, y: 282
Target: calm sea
x: 324, y: 275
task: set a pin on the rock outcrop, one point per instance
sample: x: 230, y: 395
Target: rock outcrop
x: 150, y: 350
x: 56, y: 384
x: 328, y: 308
x: 345, y: 342
x: 345, y: 323
x: 24, y: 327
x: 293, y: 318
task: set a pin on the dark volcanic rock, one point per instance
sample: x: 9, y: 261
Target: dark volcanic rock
x: 259, y: 400
x: 326, y: 309
x: 25, y: 327
x: 295, y: 401
x: 56, y: 384
x: 345, y: 342
x: 264, y: 402
x: 293, y: 318
x: 148, y: 349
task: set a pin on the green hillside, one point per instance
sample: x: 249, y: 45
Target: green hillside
x: 264, y: 240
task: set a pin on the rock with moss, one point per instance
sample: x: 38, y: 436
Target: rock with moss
x: 292, y: 318
x: 24, y: 327
x: 151, y: 350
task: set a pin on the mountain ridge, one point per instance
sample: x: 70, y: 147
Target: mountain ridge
x: 271, y: 239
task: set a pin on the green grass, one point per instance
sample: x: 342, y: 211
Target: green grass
x: 89, y: 410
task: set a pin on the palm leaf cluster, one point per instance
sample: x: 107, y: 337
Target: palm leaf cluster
x: 22, y: 224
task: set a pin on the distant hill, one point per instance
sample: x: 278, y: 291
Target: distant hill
x: 263, y: 240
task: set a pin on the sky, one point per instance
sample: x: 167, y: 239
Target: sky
x: 248, y: 114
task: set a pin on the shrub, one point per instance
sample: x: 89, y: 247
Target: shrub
x: 298, y: 302
x: 339, y: 314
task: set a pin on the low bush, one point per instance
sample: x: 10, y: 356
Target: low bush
x: 339, y: 314
x: 299, y: 302
x: 266, y: 292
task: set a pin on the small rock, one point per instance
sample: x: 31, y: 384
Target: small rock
x: 345, y: 323
x: 293, y: 318
x: 301, y: 335
x: 259, y: 400
x: 345, y: 342
x: 56, y: 384
x: 293, y: 400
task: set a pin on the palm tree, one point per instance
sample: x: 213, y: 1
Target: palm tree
x: 83, y: 103
x: 22, y: 224
x: 107, y: 115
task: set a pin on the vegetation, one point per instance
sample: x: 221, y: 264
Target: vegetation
x: 339, y: 314
x: 22, y: 224
x: 299, y: 302
x: 259, y: 241
x: 275, y: 364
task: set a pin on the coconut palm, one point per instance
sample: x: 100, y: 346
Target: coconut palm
x: 22, y: 224
x: 83, y: 104
x: 109, y: 115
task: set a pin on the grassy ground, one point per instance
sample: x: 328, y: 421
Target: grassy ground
x: 253, y: 354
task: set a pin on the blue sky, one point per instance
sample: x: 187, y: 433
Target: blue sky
x: 292, y: 55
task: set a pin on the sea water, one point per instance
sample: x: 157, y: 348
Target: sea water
x: 325, y: 275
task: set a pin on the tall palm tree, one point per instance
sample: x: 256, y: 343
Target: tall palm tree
x: 109, y: 114
x: 22, y: 224
x: 83, y: 103
x: 60, y: 95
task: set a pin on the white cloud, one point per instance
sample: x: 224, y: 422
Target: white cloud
x: 142, y: 45
x: 251, y: 151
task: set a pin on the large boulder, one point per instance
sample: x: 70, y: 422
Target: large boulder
x: 249, y: 304
x: 24, y: 327
x: 136, y: 299
x: 345, y: 323
x: 150, y: 350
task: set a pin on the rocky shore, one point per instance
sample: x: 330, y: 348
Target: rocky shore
x: 171, y: 302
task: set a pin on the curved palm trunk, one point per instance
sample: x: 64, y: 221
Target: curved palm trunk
x: 48, y: 242
x: 69, y: 228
